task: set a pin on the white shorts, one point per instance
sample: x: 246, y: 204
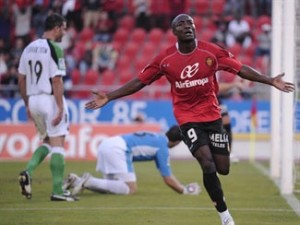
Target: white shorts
x: 114, y: 162
x: 43, y: 110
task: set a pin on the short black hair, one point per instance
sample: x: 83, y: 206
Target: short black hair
x: 174, y: 133
x: 54, y: 20
x: 175, y: 20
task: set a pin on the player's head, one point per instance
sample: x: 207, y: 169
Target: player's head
x: 57, y: 24
x: 174, y: 136
x: 183, y: 28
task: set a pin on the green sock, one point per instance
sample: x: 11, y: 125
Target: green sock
x: 37, y: 157
x: 57, y: 166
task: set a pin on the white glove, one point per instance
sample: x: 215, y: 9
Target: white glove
x: 192, y: 189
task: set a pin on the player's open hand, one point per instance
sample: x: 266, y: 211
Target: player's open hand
x: 100, y: 99
x: 282, y: 85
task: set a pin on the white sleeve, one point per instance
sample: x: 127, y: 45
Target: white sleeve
x: 57, y: 69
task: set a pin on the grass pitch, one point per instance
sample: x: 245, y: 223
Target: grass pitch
x: 251, y: 197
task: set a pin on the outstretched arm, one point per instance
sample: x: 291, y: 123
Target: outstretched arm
x: 102, y: 99
x: 173, y: 183
x: 249, y: 73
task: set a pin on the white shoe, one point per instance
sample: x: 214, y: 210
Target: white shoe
x: 79, y: 185
x: 66, y: 196
x: 226, y: 218
x: 228, y: 221
x: 70, y: 181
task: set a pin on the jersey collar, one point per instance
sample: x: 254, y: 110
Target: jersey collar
x: 177, y: 47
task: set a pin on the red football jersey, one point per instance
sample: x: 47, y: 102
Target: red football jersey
x: 192, y: 77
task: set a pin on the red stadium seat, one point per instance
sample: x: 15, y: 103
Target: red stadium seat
x: 236, y: 49
x: 155, y: 36
x: 262, y: 64
x: 75, y: 77
x: 210, y: 25
x: 162, y: 95
x: 130, y: 7
x: 123, y: 63
x: 125, y: 76
x: 206, y: 35
x: 76, y: 81
x: 246, y: 60
x: 148, y: 50
x: 107, y: 78
x: 198, y: 21
x: 91, y: 77
x: 164, y: 45
x: 201, y: 7
x: 170, y: 37
x: 90, y: 80
x: 116, y: 6
x: 217, y: 6
x: 79, y: 50
x: 130, y: 50
x: 139, y: 64
x: 250, y: 51
x: 159, y: 7
x: 138, y: 36
x: 121, y: 36
x: 263, y: 20
x: 138, y: 95
x: 127, y: 22
x: 86, y: 34
x: 255, y: 33
x: 225, y: 77
x: 162, y: 81
x: 250, y: 20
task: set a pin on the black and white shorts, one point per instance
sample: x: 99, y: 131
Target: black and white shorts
x: 211, y: 133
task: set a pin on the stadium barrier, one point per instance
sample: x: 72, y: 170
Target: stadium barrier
x: 18, y: 142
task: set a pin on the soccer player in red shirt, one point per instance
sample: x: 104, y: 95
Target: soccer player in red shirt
x: 190, y: 66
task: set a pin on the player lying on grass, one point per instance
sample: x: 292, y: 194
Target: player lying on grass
x: 115, y: 161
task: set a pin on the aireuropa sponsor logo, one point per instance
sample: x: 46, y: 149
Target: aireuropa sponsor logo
x: 191, y: 83
x: 188, y: 72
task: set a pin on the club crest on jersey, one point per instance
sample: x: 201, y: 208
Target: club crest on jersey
x: 209, y: 61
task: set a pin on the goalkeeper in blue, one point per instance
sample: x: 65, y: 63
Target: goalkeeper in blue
x: 115, y: 161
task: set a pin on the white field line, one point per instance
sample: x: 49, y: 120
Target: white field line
x: 145, y: 208
x: 292, y: 201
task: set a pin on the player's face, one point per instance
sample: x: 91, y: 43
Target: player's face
x: 184, y: 28
x: 60, y: 31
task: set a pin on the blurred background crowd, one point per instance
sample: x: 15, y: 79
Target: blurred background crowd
x: 109, y: 41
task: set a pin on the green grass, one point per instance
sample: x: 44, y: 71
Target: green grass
x: 252, y: 199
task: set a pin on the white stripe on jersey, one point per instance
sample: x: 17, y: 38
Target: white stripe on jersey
x: 144, y: 150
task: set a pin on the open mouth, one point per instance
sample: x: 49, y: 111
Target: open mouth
x: 188, y: 33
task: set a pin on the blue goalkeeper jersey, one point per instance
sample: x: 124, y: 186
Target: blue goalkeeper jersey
x: 147, y: 146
